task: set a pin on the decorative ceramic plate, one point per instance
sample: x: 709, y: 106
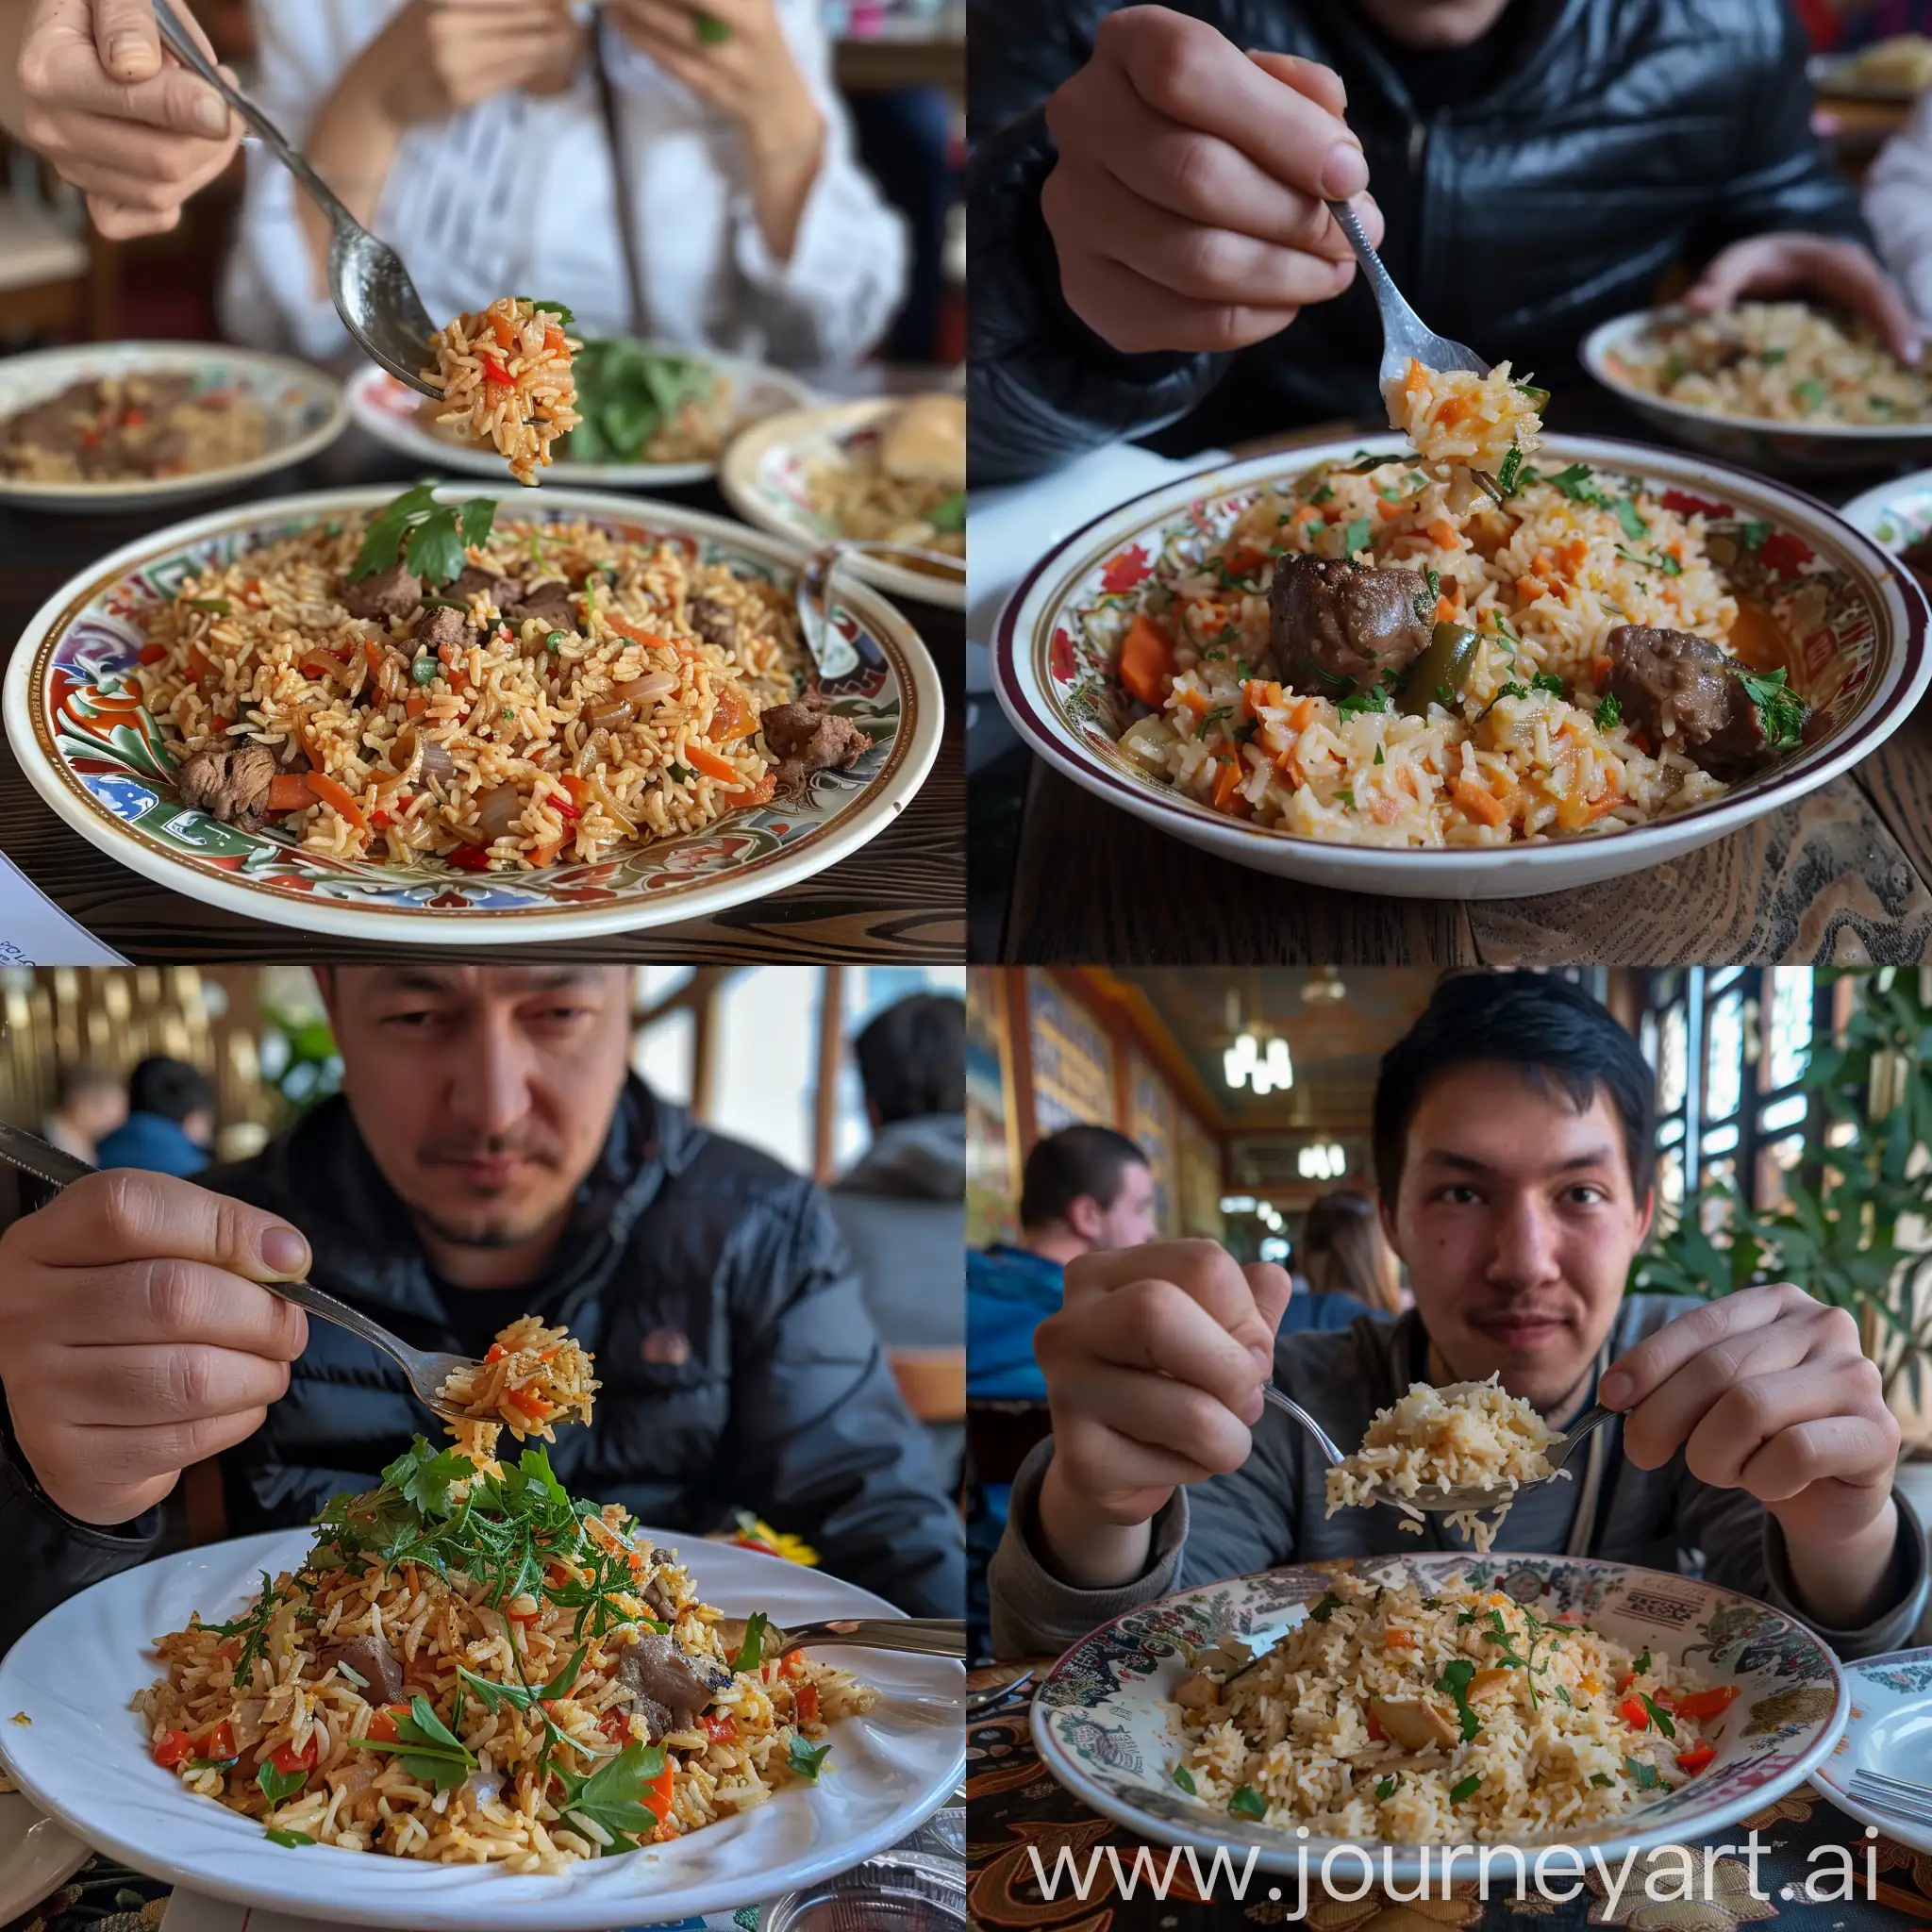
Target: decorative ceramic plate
x: 1859, y: 620
x: 767, y: 478
x: 35, y: 1855
x: 107, y: 776
x: 1760, y: 442
x: 1889, y: 1732
x: 394, y: 413
x: 1104, y: 1726
x: 85, y: 1761
x: 302, y: 409
x: 1898, y: 514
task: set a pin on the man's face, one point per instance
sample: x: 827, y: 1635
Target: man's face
x: 98, y: 1111
x: 1128, y: 1220
x: 1518, y: 1222
x: 485, y: 1093
x: 1432, y: 25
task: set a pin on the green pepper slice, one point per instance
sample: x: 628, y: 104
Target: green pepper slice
x: 1444, y: 666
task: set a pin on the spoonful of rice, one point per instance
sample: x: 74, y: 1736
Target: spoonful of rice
x: 1451, y: 1451
x: 373, y: 291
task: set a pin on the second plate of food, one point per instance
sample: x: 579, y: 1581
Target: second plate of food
x: 1455, y: 713
x: 1666, y: 1708
x: 525, y: 715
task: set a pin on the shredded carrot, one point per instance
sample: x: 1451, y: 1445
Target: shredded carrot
x: 1406, y: 779
x: 1303, y: 715
x: 1398, y: 1640
x: 1416, y: 380
x: 506, y: 336
x: 1385, y: 810
x: 1445, y: 610
x: 1227, y: 777
x: 1443, y: 535
x: 1455, y: 410
x: 761, y: 794
x: 710, y: 764
x: 289, y: 791
x: 1290, y: 768
x: 1146, y: 661
x: 733, y: 719
x: 546, y: 853
x: 1529, y: 589
x: 340, y: 797
x: 1476, y: 802
x: 415, y: 704
x: 197, y: 668
x: 1307, y: 513
x: 1602, y: 667
x: 1388, y: 511
x: 1196, y: 702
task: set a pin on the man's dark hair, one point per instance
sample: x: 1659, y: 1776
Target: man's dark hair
x: 912, y: 1057
x: 1548, y: 1030
x: 1074, y: 1161
x: 172, y: 1089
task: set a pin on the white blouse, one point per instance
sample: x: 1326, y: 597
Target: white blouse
x: 1898, y: 204
x: 517, y: 196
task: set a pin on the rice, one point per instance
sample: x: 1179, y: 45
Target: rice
x: 1469, y: 1435
x: 504, y: 377
x: 1391, y: 1715
x: 1780, y: 361
x: 1473, y: 422
x: 531, y: 747
x: 510, y: 1611
x: 531, y: 1378
x: 118, y: 428
x: 1525, y: 748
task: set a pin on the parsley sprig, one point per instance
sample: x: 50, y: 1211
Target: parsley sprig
x: 428, y: 536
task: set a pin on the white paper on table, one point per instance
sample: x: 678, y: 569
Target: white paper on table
x: 34, y: 932
x: 1010, y: 529
x: 191, y: 1912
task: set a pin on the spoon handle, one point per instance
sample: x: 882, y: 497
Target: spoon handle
x: 183, y: 45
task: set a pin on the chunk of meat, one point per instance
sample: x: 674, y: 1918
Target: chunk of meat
x: 806, y: 737
x: 668, y: 1686
x: 1414, y: 1723
x: 1687, y: 695
x: 1333, y: 621
x: 503, y: 591
x: 231, y: 784
x: 549, y: 603
x: 57, y: 424
x: 440, y: 625
x: 291, y: 756
x: 1200, y: 1692
x: 712, y: 622
x: 392, y: 593
x: 376, y: 1664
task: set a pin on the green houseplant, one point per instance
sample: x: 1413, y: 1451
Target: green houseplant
x: 1836, y: 1232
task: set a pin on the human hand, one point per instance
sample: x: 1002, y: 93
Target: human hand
x: 440, y: 57
x: 1189, y: 202
x: 734, y: 55
x: 1842, y: 274
x: 135, y: 132
x: 1154, y: 1368
x: 1769, y: 1392
x: 137, y: 1339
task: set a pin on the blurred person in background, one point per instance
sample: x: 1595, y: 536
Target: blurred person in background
x: 1898, y: 204
x: 1347, y: 1260
x: 490, y: 1155
x: 471, y: 135
x: 89, y: 1104
x: 170, y: 1125
x: 902, y: 1205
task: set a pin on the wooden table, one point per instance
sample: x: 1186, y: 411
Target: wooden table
x: 1015, y: 1808
x: 899, y: 899
x: 1844, y: 874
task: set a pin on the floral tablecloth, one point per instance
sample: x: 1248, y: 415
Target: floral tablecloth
x: 1014, y: 1807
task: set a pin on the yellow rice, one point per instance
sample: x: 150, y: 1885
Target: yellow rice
x: 504, y: 377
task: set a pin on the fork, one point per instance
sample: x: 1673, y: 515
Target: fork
x: 922, y: 1636
x: 427, y: 1370
x: 835, y: 657
x: 1895, y: 1794
x: 373, y: 291
x: 1406, y: 337
x: 1467, y: 1496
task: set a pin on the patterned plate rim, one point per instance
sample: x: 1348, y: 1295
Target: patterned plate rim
x: 132, y: 493
x: 1279, y: 1848
x: 1020, y: 662
x: 1918, y: 1837
x: 914, y: 748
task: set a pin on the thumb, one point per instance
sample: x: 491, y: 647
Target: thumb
x: 127, y: 39
x: 1271, y: 1287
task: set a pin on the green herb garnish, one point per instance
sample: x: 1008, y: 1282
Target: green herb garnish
x: 219, y: 606
x: 750, y: 1653
x: 1355, y: 536
x: 1510, y: 471
x: 1185, y: 1778
x: 428, y: 536
x: 1456, y: 1678
x: 1386, y: 1789
x: 556, y: 309
x: 251, y: 1626
x: 1781, y: 711
x: 1599, y: 1778
x: 1466, y: 1788
x: 611, y: 1796
x: 429, y: 1750
x: 949, y: 513
x: 1549, y: 681
x: 1248, y: 1803
x: 1660, y: 1718
x: 1374, y: 699
x: 1644, y: 1775
x: 278, y: 1786
x: 626, y: 394
x: 1326, y: 1608
x: 804, y: 1759
x: 1608, y: 713
x: 277, y: 1836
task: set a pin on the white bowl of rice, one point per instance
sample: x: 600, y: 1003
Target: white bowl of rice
x: 1773, y: 385
x: 1398, y: 1706
x: 1524, y: 781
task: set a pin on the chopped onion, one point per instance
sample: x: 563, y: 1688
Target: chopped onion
x: 501, y: 810
x: 643, y: 690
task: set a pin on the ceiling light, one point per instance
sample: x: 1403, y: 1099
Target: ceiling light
x: 1280, y: 1068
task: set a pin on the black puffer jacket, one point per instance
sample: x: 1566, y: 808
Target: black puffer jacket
x: 1623, y: 135
x: 682, y: 1244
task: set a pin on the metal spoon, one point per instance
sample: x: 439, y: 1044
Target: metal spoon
x: 1405, y: 335
x: 1439, y: 1501
x: 922, y: 1636
x: 427, y: 1370
x: 834, y: 657
x: 373, y: 291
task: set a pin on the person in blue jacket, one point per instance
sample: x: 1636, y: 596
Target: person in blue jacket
x: 171, y: 1121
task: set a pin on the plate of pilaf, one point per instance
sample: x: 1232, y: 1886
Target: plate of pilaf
x: 117, y: 427
x: 501, y: 717
x: 467, y: 1699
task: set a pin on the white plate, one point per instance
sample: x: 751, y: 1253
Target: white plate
x: 764, y: 479
x: 387, y: 409
x: 35, y: 1855
x: 85, y: 1761
x: 1897, y: 513
x: 1889, y: 1732
x: 302, y: 409
x: 1053, y: 675
x: 112, y: 789
x: 1103, y: 1727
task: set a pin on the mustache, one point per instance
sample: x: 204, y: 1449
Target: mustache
x: 529, y: 1146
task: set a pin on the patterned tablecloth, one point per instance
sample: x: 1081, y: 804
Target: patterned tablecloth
x: 1015, y: 1808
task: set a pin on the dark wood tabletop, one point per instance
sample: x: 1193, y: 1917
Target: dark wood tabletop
x: 900, y: 899
x: 1844, y: 874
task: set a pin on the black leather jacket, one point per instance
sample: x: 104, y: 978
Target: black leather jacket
x: 782, y: 1403
x: 1625, y: 135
